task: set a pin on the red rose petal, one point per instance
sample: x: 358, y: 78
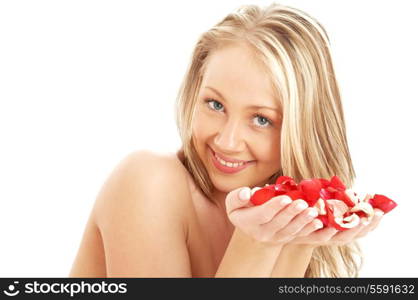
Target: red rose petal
x: 330, y: 215
x: 323, y: 219
x: 361, y: 214
x: 311, y: 189
x: 325, y: 183
x: 284, y: 179
x: 262, y: 195
x: 325, y: 194
x: 280, y: 189
x: 383, y: 203
x: 344, y: 224
x: 337, y: 208
x: 296, y: 194
x: 336, y: 216
x: 337, y: 183
x: 340, y: 195
x: 287, y: 182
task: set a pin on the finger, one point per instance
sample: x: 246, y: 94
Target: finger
x: 284, y: 217
x: 372, y: 225
x: 322, y: 236
x: 310, y: 227
x: 378, y: 215
x: 347, y: 236
x: 298, y: 222
x: 237, y: 198
x: 264, y: 213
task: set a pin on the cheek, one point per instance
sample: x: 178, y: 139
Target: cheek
x: 204, y: 125
x: 199, y: 128
x: 202, y: 129
x: 268, y: 149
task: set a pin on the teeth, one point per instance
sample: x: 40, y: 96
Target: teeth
x: 229, y: 164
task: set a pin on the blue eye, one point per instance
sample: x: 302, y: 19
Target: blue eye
x: 215, y: 104
x: 266, y: 122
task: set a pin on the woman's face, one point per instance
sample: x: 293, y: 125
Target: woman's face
x: 238, y: 118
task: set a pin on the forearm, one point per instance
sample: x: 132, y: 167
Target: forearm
x: 245, y: 257
x: 293, y: 261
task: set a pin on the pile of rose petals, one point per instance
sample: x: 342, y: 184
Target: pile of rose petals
x: 336, y: 206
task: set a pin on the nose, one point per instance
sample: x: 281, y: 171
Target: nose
x: 229, y: 137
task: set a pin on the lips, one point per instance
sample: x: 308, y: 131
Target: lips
x: 336, y: 206
x: 227, y: 159
x: 226, y: 169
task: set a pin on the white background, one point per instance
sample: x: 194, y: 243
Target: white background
x: 83, y: 83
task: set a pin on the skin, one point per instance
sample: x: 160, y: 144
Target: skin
x: 225, y: 123
x: 275, y: 239
x: 229, y: 125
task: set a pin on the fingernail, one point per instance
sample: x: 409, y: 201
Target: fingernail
x: 379, y: 213
x: 301, y: 206
x: 317, y: 226
x: 245, y: 193
x: 312, y: 213
x: 333, y: 230
x: 364, y: 221
x: 286, y: 201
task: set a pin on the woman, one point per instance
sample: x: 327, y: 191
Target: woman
x: 259, y: 100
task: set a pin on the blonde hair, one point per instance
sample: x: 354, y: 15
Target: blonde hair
x: 294, y: 49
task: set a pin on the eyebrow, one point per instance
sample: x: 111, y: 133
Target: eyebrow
x: 250, y: 106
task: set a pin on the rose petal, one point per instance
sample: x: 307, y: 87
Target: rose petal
x: 336, y: 183
x: 287, y: 182
x: 325, y: 183
x: 311, y: 189
x: 362, y: 214
x: 363, y: 209
x: 330, y: 215
x: 346, y: 223
x: 296, y: 194
x: 280, y: 189
x: 323, y: 219
x: 336, y: 206
x: 325, y: 194
x: 262, y: 195
x: 337, y: 218
x: 339, y: 208
x: 353, y: 196
x: 340, y: 195
x: 320, y: 207
x: 383, y: 203
x: 283, y: 179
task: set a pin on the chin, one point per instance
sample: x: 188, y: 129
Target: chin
x: 225, y: 187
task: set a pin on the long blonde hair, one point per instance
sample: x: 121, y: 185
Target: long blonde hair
x: 294, y: 49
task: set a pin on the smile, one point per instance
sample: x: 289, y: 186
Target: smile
x: 228, y: 164
x: 228, y: 167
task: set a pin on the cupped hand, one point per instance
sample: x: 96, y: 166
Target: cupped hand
x: 331, y: 236
x: 275, y: 222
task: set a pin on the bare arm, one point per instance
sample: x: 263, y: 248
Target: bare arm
x: 245, y: 257
x: 141, y: 215
x: 260, y: 233
x: 140, y: 212
x: 293, y: 261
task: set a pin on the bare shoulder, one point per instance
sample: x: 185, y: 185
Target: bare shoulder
x: 144, y: 171
x: 154, y: 164
x: 141, y: 212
